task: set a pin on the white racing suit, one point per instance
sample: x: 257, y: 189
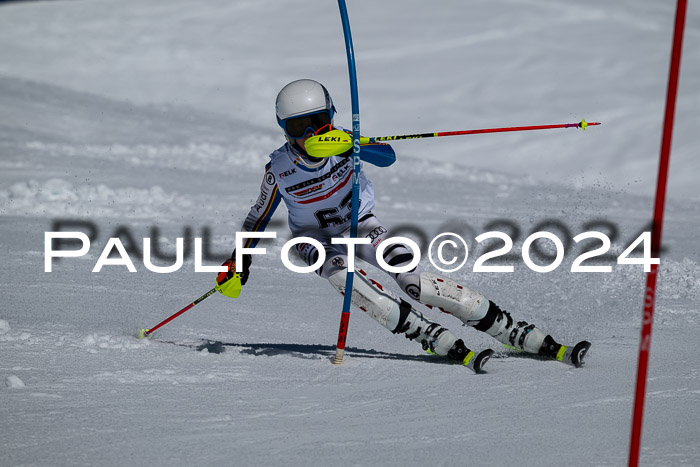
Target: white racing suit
x: 319, y: 201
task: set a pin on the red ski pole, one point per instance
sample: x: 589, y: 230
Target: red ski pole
x: 147, y: 332
x: 582, y: 124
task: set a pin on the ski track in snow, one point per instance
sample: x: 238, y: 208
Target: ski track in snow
x: 117, y: 144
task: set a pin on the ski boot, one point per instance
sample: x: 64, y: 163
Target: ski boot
x: 570, y: 355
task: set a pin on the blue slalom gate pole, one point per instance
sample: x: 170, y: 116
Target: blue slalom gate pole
x: 345, y: 316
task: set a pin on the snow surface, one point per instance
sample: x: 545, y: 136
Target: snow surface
x: 13, y: 381
x: 148, y: 114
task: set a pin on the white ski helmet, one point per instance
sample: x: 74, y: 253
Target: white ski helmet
x: 302, y: 106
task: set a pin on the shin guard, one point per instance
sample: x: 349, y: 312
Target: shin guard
x: 451, y: 297
x: 395, y: 314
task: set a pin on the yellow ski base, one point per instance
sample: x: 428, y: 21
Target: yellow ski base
x: 510, y: 347
x: 468, y: 358
x: 560, y: 354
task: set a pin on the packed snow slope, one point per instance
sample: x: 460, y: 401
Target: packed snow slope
x: 129, y: 117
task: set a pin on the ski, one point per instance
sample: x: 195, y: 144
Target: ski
x: 570, y: 355
x: 476, y: 362
x: 574, y: 355
x: 473, y: 360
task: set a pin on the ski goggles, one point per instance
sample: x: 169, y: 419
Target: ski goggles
x: 297, y: 127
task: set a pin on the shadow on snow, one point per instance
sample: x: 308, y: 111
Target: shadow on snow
x: 310, y: 351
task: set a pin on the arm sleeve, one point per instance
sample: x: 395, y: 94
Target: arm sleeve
x: 379, y: 154
x: 263, y: 209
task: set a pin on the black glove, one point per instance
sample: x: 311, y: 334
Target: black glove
x: 231, y: 264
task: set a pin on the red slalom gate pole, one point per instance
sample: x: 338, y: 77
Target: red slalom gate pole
x: 650, y: 294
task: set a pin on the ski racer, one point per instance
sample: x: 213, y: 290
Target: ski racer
x: 317, y: 193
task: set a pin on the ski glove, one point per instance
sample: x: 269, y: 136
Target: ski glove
x: 229, y: 283
x: 329, y: 141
